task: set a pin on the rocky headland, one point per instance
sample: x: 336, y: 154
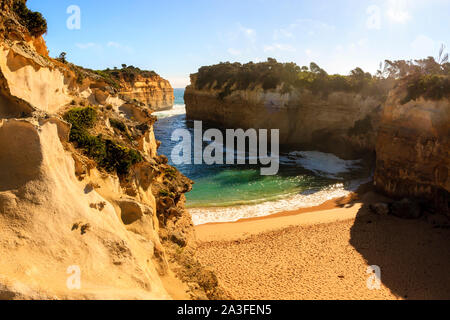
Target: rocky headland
x: 399, y: 117
x: 413, y: 144
x: 88, y: 209
x: 333, y: 114
x: 140, y: 86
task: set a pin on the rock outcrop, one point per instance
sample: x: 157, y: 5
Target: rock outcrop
x: 341, y: 123
x: 413, y: 149
x: 78, y: 221
x: 153, y: 91
x: 405, y: 122
x: 51, y: 228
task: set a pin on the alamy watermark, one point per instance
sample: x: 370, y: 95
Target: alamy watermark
x: 374, y: 19
x: 74, y: 20
x: 214, y: 153
x: 374, y: 281
x: 74, y: 279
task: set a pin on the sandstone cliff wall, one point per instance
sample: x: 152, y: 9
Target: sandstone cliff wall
x: 61, y: 214
x: 50, y: 222
x: 413, y: 149
x: 155, y: 92
x: 341, y: 123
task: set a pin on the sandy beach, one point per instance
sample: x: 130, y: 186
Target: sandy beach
x: 325, y: 252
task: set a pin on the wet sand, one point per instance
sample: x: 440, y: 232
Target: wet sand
x: 324, y: 253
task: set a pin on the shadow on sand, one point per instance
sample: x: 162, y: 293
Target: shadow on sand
x: 414, y: 256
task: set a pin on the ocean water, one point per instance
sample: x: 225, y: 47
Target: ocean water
x: 225, y: 193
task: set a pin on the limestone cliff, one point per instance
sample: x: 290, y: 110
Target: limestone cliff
x: 342, y: 123
x: 153, y: 91
x: 406, y: 123
x: 413, y: 149
x: 88, y: 209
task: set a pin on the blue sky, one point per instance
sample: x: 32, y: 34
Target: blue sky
x: 175, y: 38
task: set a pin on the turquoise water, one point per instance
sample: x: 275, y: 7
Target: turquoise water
x: 179, y: 96
x: 302, y: 175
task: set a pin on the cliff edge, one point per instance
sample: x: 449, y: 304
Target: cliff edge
x: 311, y: 109
x: 413, y: 146
x: 140, y: 86
x: 88, y: 209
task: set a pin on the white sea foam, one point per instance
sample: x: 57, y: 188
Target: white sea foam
x: 177, y: 110
x: 323, y: 164
x: 304, y: 200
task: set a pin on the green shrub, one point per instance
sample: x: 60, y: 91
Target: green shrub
x: 107, y: 153
x: 430, y: 87
x: 271, y: 74
x: 119, y: 158
x: 109, y: 79
x: 81, y: 117
x: 165, y: 193
x: 171, y: 172
x: 33, y: 21
x: 128, y: 73
x: 119, y: 125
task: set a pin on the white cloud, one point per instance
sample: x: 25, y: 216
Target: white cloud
x: 247, y: 32
x: 116, y: 45
x: 363, y: 42
x: 373, y: 17
x: 283, y: 33
x: 240, y: 41
x: 279, y: 47
x: 234, y: 52
x: 110, y: 44
x: 302, y: 26
x: 423, y: 46
x: 85, y: 46
x: 398, y: 12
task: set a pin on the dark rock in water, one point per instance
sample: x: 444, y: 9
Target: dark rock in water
x: 381, y: 209
x: 406, y: 209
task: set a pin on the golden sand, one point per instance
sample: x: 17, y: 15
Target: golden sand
x: 325, y: 253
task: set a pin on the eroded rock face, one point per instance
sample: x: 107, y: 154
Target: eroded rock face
x: 61, y: 215
x: 413, y: 149
x: 49, y: 222
x: 341, y: 123
x: 155, y: 92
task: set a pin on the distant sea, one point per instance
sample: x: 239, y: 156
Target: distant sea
x: 225, y: 193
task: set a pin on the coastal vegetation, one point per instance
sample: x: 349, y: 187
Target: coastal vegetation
x: 427, y: 78
x: 430, y: 87
x: 33, y: 21
x: 108, y: 154
x: 272, y: 74
x: 127, y: 73
x: 111, y: 76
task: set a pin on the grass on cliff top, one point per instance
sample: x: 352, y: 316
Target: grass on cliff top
x: 108, y: 154
x: 430, y: 87
x: 271, y: 74
x: 33, y: 21
x: 425, y: 78
x: 127, y: 73
x: 122, y: 127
